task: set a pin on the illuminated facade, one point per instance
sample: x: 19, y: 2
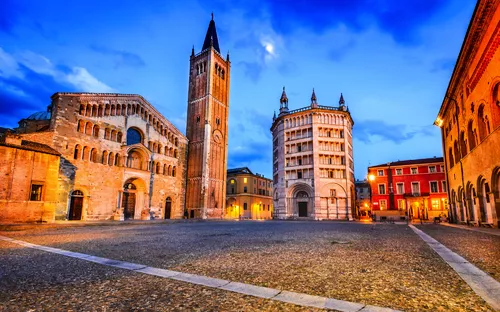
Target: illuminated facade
x: 469, y: 119
x: 248, y: 195
x: 207, y: 129
x: 313, y: 168
x: 415, y: 188
x: 363, y: 199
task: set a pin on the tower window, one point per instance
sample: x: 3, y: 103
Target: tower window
x: 197, y: 119
x: 217, y: 121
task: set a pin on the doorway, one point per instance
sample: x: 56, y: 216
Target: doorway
x: 168, y: 207
x: 302, y: 209
x: 76, y: 206
x: 128, y: 203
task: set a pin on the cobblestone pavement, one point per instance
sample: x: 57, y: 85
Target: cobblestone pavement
x: 383, y: 265
x: 480, y: 249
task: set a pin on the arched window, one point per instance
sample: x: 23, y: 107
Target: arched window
x: 471, y: 135
x: 105, y: 157
x: 450, y: 158
x: 100, y: 111
x: 134, y: 160
x: 176, y: 142
x: 463, y: 144
x: 158, y: 167
x: 482, y: 123
x: 81, y: 126
x: 111, y: 159
x: 175, y: 153
x: 455, y: 150
x: 78, y: 151
x: 496, y: 94
x: 107, y: 133
x: 85, y: 153
x: 173, y: 171
x: 118, y: 110
x: 107, y: 110
x: 169, y: 170
x: 113, y: 135
x: 82, y: 109
x: 88, y: 128
x: 117, y: 160
x: 95, y: 132
x: 133, y: 136
x: 93, y: 155
x: 165, y: 169
x: 119, y: 137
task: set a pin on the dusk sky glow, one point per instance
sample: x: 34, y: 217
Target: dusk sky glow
x: 391, y: 59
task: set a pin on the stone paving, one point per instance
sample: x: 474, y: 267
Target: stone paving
x: 383, y: 265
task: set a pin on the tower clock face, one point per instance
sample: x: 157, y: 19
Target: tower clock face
x: 217, y: 136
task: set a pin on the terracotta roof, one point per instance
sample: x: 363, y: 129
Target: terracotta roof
x: 32, y: 146
x: 410, y: 162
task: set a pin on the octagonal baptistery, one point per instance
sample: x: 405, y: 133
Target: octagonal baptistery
x: 313, y: 167
x: 121, y: 159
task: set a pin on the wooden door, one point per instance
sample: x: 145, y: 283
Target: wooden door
x: 75, y: 209
x: 128, y: 205
x: 168, y: 209
x: 302, y: 209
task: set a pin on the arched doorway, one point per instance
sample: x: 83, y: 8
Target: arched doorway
x: 168, y: 207
x: 129, y: 199
x: 302, y: 199
x: 76, y: 206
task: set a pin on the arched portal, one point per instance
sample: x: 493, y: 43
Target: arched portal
x: 129, y: 199
x: 168, y: 208
x: 302, y: 199
x: 76, y: 206
x: 134, y: 136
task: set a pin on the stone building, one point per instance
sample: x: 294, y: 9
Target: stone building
x: 363, y: 199
x: 313, y: 168
x: 469, y: 119
x: 207, y: 130
x: 414, y: 188
x: 249, y: 195
x: 29, y: 186
x: 119, y: 157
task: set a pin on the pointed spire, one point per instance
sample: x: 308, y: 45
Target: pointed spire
x: 211, y: 37
x: 274, y: 116
x: 313, y: 98
x: 192, y: 51
x: 227, y: 57
x: 341, y: 101
x: 284, y: 98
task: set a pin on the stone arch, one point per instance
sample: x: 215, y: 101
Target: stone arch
x: 463, y: 144
x: 105, y: 157
x: 173, y: 171
x: 483, y: 190
x: 461, y: 204
x: 133, y: 199
x: 471, y: 135
x: 86, y: 153
x: 81, y: 126
x: 450, y: 158
x: 113, y: 135
x: 111, y: 159
x: 93, y: 155
x: 107, y: 133
x: 300, y: 200
x: 78, y: 152
x: 88, y: 128
x: 495, y: 193
x: 482, y: 123
x: 76, y: 205
x: 95, y: 131
x: 134, y: 136
x: 119, y: 137
x: 471, y: 201
x: 137, y: 159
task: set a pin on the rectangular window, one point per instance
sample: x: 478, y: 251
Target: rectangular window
x: 381, y: 189
x: 232, y: 190
x: 383, y: 204
x: 415, y: 187
x: 299, y: 175
x: 432, y: 169
x: 442, y: 168
x: 401, y: 204
x: 245, y: 180
x: 414, y: 171
x: 232, y: 181
x: 36, y: 192
x: 399, y: 171
x: 380, y: 173
x: 400, y: 188
x: 244, y: 189
x: 444, y: 186
x: 434, y: 187
x: 244, y: 206
x: 435, y: 204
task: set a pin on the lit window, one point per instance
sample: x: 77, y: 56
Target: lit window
x: 380, y: 173
x: 435, y: 204
x: 401, y: 204
x: 245, y: 180
x: 36, y: 192
x: 383, y: 204
x: 232, y: 181
x: 413, y: 170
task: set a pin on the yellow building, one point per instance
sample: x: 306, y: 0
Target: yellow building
x: 248, y: 195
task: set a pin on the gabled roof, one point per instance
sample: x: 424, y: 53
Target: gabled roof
x: 32, y: 146
x: 410, y: 162
x: 239, y: 170
x: 211, y: 36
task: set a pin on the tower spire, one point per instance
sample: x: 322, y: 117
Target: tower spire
x: 314, y: 102
x: 341, y: 101
x: 283, y: 102
x: 211, y: 37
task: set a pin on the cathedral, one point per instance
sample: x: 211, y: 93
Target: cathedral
x: 106, y: 156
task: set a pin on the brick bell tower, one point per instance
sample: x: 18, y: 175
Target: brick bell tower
x: 207, y: 128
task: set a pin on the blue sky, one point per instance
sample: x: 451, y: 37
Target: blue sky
x: 391, y: 59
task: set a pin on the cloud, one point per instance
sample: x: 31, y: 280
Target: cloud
x: 366, y: 130
x: 27, y: 81
x: 243, y: 155
x: 122, y: 58
x: 445, y: 64
x: 338, y: 52
x: 253, y: 70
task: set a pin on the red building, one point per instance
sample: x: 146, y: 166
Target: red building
x: 415, y: 188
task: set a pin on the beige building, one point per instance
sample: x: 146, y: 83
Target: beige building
x: 469, y: 119
x: 120, y: 158
x: 313, y: 168
x: 248, y: 195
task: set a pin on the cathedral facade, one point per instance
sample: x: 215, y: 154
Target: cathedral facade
x: 313, y: 166
x: 115, y: 157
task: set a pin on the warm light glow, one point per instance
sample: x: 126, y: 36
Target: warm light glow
x: 232, y: 181
x: 244, y: 180
x: 438, y: 122
x: 366, y: 205
x: 371, y: 177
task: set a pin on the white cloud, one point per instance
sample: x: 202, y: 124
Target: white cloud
x: 79, y: 77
